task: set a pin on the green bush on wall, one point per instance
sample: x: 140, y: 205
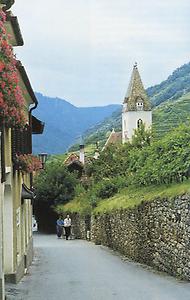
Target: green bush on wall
x: 106, y: 189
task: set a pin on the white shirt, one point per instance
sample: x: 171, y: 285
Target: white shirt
x: 67, y: 222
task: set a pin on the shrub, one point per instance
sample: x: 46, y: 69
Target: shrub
x: 106, y: 189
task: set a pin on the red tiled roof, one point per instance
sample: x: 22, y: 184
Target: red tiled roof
x: 71, y: 158
x: 114, y: 138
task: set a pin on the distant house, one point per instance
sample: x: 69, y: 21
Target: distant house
x: 75, y: 162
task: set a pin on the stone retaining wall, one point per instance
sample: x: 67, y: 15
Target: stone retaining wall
x: 155, y: 233
x: 80, y: 225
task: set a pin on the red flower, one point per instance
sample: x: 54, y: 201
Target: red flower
x: 28, y: 163
x: 2, y: 66
x: 11, y: 96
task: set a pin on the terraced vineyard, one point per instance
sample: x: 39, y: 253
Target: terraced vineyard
x: 171, y: 102
x: 170, y: 115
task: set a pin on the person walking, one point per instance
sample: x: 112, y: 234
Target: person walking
x: 67, y: 226
x: 59, y: 227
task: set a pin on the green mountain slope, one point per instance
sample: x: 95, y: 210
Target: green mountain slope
x: 101, y: 131
x: 165, y: 117
x: 170, y: 115
x: 172, y: 88
x: 171, y: 106
x: 64, y: 123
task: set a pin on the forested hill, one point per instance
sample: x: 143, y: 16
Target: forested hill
x: 173, y: 87
x: 169, y: 108
x: 170, y: 115
x: 64, y: 123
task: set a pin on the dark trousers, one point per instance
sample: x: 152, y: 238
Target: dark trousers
x: 59, y: 230
x: 67, y: 232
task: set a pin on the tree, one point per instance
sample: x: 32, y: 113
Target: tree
x: 141, y: 136
x: 55, y: 185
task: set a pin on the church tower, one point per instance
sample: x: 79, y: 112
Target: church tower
x: 136, y: 107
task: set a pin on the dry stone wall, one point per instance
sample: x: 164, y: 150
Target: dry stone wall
x: 155, y: 233
x: 80, y: 225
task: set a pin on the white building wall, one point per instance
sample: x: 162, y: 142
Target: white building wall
x: 81, y: 155
x: 19, y: 235
x: 130, y: 121
x: 8, y: 230
x: 23, y: 228
x: 2, y: 283
x: 26, y: 224
x: 30, y: 212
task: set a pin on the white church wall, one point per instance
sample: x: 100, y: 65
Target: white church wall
x: 130, y: 122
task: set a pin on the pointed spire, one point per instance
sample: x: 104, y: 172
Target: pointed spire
x: 136, y: 92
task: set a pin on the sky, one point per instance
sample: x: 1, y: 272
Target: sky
x: 84, y: 50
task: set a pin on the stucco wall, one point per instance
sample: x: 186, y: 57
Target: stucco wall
x: 29, y: 253
x: 2, y: 286
x: 155, y: 233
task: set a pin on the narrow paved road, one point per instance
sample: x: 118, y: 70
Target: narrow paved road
x: 79, y: 270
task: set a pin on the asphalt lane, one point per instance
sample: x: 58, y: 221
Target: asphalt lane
x: 80, y: 270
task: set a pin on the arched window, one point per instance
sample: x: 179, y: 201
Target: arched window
x: 139, y: 123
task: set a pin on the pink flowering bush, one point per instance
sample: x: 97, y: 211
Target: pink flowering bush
x: 28, y: 163
x: 11, y: 97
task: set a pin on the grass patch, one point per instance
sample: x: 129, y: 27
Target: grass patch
x: 78, y: 205
x: 126, y: 198
x: 133, y: 196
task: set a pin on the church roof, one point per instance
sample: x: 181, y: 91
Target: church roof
x: 114, y: 138
x: 136, y: 92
